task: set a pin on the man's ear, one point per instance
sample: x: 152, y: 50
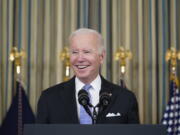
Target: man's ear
x: 102, y: 56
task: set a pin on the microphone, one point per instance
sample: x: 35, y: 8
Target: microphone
x: 83, y: 97
x: 105, y: 98
x: 84, y: 100
x: 104, y: 101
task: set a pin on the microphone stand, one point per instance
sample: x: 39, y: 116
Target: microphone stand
x: 94, y: 116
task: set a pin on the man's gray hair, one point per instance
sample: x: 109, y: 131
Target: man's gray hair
x: 86, y: 31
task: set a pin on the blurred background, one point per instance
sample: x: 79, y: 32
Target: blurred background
x: 40, y: 28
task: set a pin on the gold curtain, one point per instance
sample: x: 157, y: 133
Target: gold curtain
x: 41, y: 28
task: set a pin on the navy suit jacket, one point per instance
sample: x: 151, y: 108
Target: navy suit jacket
x: 57, y: 104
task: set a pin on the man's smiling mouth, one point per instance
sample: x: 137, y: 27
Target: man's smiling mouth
x: 81, y: 67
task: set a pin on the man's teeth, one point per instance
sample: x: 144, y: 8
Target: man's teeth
x: 81, y: 67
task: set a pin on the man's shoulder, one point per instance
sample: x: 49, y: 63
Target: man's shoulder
x: 117, y: 88
x: 58, y: 87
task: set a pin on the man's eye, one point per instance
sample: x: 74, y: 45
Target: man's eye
x: 74, y: 52
x: 87, y: 52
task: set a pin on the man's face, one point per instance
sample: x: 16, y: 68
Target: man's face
x: 85, y: 58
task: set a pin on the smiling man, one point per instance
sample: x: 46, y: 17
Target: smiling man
x: 59, y: 104
x: 87, y: 54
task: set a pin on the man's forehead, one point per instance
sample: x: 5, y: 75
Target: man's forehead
x: 84, y: 43
x: 83, y: 47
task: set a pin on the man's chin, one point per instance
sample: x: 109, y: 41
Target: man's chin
x: 82, y: 74
x: 83, y: 77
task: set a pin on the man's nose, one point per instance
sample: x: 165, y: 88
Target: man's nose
x: 80, y: 56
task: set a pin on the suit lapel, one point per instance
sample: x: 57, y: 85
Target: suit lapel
x: 107, y: 87
x: 70, y: 102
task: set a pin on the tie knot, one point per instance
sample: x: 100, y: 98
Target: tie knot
x: 87, y: 87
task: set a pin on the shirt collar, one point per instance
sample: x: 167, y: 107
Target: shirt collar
x: 96, y: 83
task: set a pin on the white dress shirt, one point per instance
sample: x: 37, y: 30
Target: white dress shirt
x: 94, y: 91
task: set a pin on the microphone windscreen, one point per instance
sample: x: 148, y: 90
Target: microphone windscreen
x: 105, y: 98
x: 83, y: 97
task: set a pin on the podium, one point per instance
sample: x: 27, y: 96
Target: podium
x: 99, y: 129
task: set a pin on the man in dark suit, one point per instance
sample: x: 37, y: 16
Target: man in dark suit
x: 59, y: 104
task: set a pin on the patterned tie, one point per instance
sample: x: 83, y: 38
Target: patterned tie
x: 84, y: 116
